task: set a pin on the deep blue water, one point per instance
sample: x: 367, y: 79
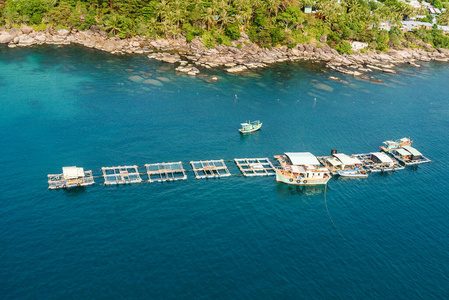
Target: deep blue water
x: 222, y: 238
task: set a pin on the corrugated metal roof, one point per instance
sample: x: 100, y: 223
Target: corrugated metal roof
x: 72, y: 172
x: 346, y: 159
x: 382, y: 157
x: 402, y: 152
x: 412, y: 150
x: 334, y: 161
x: 302, y: 158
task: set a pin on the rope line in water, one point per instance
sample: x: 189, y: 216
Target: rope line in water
x: 328, y: 213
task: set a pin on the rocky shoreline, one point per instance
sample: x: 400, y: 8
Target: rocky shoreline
x: 241, y: 56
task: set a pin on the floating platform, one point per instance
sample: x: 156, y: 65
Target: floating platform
x: 255, y: 167
x: 210, y: 169
x: 338, y: 162
x: 409, y: 156
x: 161, y: 172
x: 379, y: 162
x: 121, y: 175
x: 70, y: 177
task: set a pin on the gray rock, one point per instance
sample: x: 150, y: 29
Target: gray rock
x: 136, y: 78
x: 95, y: 28
x: 171, y: 58
x: 153, y: 82
x: 236, y: 69
x: 110, y: 46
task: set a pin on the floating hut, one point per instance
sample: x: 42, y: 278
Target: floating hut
x: 121, y: 175
x: 409, y: 156
x: 340, y: 162
x: 70, y: 177
x: 161, y: 172
x: 379, y: 162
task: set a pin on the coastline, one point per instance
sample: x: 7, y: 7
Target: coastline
x: 241, y: 56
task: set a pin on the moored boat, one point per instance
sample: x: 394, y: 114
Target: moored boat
x: 393, y: 145
x: 301, y: 168
x: 356, y: 173
x: 250, y: 127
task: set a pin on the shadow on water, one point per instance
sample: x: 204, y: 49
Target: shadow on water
x: 385, y: 173
x: 75, y: 191
x: 412, y: 167
x: 291, y: 190
x: 250, y: 136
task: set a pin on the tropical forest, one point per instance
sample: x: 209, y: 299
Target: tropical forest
x: 268, y: 23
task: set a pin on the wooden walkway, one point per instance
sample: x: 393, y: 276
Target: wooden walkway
x: 161, y: 172
x: 255, y: 167
x: 121, y: 175
x: 210, y: 169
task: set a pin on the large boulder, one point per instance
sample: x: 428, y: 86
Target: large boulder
x: 236, y: 69
x: 25, y: 29
x: 15, y: 32
x: 62, y: 32
x: 95, y: 28
x: 25, y: 40
x: 110, y: 46
x: 6, y: 38
x: 40, y: 38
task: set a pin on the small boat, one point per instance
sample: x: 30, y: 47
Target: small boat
x: 250, y: 127
x: 393, y: 145
x: 353, y: 174
x: 301, y: 168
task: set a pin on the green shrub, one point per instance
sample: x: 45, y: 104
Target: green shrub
x: 223, y: 40
x: 189, y: 36
x: 208, y: 40
x: 344, y: 48
x: 233, y: 31
x: 39, y: 27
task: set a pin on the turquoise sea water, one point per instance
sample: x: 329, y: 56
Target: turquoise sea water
x: 386, y: 236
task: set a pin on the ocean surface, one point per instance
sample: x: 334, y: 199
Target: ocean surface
x: 384, y: 237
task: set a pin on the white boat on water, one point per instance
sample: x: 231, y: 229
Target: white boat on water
x: 393, y: 145
x: 356, y: 173
x: 301, y: 168
x: 250, y: 126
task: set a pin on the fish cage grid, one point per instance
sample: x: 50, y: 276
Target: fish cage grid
x: 121, y: 175
x: 210, y: 169
x: 255, y: 167
x: 161, y: 172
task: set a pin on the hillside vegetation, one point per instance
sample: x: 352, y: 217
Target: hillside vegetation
x: 269, y: 23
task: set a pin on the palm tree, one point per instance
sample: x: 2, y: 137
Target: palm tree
x: 112, y: 24
x: 208, y: 17
x: 330, y: 9
x: 273, y: 6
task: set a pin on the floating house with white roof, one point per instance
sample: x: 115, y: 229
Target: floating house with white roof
x: 301, y: 168
x: 70, y: 177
